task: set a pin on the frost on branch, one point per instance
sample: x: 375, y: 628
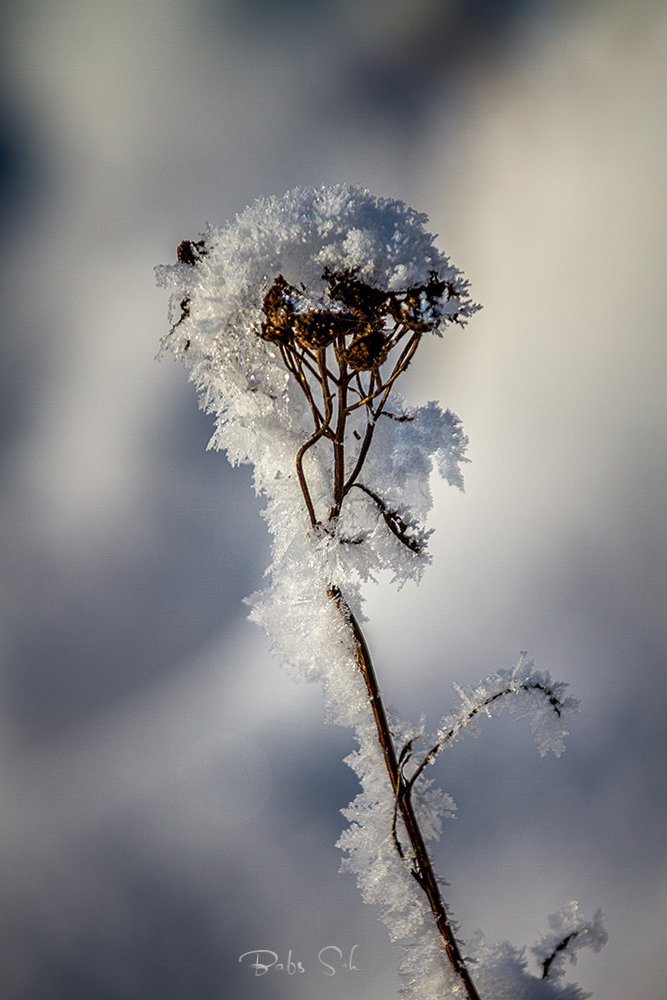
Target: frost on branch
x: 569, y: 932
x: 296, y: 320
x: 501, y: 970
x: 522, y: 689
x: 384, y: 875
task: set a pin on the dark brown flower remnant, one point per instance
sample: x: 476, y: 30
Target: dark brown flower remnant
x: 361, y: 298
x: 358, y: 319
x: 316, y: 328
x: 279, y: 312
x: 368, y: 350
x: 191, y: 253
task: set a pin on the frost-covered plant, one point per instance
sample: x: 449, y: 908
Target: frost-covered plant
x: 296, y: 320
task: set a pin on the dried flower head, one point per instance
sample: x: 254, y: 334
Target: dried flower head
x: 296, y: 320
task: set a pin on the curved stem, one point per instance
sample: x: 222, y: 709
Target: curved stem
x: 422, y: 870
x: 469, y: 716
x: 339, y: 444
x: 392, y: 519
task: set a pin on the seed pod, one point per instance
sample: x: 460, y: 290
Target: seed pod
x: 367, y: 350
x: 278, y: 307
x: 316, y: 329
x: 364, y: 299
x: 191, y: 253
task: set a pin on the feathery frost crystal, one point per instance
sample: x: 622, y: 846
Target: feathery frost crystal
x: 296, y: 320
x: 325, y: 249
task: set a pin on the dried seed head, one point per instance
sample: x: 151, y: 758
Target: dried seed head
x: 191, y: 253
x: 367, y: 350
x: 278, y: 306
x: 361, y: 298
x: 316, y: 329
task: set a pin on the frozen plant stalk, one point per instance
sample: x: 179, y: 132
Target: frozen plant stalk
x: 296, y: 321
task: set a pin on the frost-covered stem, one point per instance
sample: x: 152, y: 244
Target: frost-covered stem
x: 422, y: 870
x: 392, y: 519
x: 378, y: 389
x: 480, y: 707
x: 546, y: 964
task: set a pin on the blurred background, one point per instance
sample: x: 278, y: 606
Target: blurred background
x: 169, y: 798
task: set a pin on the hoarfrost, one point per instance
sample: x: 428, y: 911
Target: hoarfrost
x: 501, y: 973
x: 569, y: 932
x: 522, y: 689
x: 262, y: 310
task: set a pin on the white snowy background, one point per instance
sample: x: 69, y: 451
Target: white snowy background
x: 169, y: 798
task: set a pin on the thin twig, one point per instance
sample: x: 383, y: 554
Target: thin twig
x: 458, y: 726
x: 392, y: 519
x: 546, y: 965
x: 339, y: 441
x: 292, y: 366
x: 361, y: 457
x: 311, y: 441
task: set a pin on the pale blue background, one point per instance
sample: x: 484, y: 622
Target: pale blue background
x: 169, y: 797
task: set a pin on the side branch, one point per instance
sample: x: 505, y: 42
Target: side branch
x: 392, y: 519
x: 546, y: 964
x: 461, y: 723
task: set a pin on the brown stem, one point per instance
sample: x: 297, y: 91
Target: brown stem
x: 293, y: 364
x: 339, y: 444
x: 370, y: 430
x: 422, y: 870
x: 322, y: 429
x: 392, y: 519
x: 303, y: 357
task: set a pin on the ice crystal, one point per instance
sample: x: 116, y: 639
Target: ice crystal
x: 295, y: 320
x: 308, y: 254
x: 569, y: 933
